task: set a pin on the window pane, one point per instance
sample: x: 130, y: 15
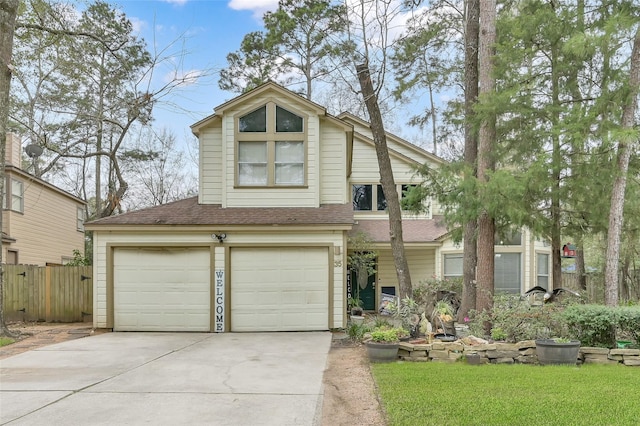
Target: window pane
x: 362, y: 197
x: 511, y: 238
x: 252, y: 163
x: 16, y: 195
x: 453, y: 265
x: 382, y: 202
x: 289, y: 163
x: 507, y: 273
x: 543, y: 264
x: 255, y: 121
x: 287, y: 121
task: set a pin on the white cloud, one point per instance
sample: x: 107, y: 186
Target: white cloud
x: 259, y: 7
x: 138, y: 24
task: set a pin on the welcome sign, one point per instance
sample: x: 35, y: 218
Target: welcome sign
x: 219, y: 301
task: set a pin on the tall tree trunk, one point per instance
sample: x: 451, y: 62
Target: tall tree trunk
x: 581, y: 270
x: 8, y: 13
x: 387, y: 180
x: 486, y: 162
x: 625, y: 146
x: 556, y: 165
x: 470, y: 259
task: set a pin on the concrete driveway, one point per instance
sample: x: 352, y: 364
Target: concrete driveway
x: 168, y: 379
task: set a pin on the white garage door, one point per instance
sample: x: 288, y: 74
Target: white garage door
x: 284, y: 289
x: 161, y: 290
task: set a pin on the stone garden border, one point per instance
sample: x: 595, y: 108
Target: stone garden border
x: 507, y: 353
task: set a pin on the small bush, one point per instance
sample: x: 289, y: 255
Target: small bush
x: 513, y: 319
x: 388, y: 334
x: 357, y: 331
x: 593, y: 325
x: 629, y: 322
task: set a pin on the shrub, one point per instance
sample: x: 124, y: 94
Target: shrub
x: 387, y: 334
x: 357, y: 331
x: 629, y: 322
x: 593, y: 325
x: 513, y: 319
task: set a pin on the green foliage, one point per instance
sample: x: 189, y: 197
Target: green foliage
x: 506, y: 394
x: 78, y: 259
x: 593, y: 325
x: 388, y: 334
x: 513, y: 319
x: 4, y: 341
x: 357, y: 331
x: 598, y: 325
x: 629, y: 322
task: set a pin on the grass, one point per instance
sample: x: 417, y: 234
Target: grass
x: 4, y: 341
x: 459, y: 394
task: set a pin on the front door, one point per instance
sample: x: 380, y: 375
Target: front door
x: 366, y: 294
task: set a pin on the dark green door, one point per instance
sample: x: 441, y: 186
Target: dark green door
x: 367, y: 294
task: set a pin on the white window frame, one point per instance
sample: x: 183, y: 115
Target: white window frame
x: 80, y: 218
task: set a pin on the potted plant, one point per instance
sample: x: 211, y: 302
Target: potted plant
x: 355, y: 306
x: 557, y: 351
x: 383, y: 346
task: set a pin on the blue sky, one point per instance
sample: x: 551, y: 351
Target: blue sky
x: 206, y: 31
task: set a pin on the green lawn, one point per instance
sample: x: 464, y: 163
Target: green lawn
x: 4, y: 341
x: 459, y: 394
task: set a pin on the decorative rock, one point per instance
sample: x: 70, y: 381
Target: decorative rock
x: 417, y: 354
x: 406, y: 346
x: 528, y: 351
x: 591, y: 350
x: 422, y: 347
x: 454, y: 346
x: 506, y: 360
x: 446, y: 360
x: 503, y: 354
x: 403, y: 352
x: 486, y: 347
x: 632, y: 352
x: 507, y: 347
x: 417, y: 359
x: 439, y: 346
x: 632, y: 362
x: 527, y: 359
x: 599, y: 361
x: 455, y: 355
x: 438, y: 354
x: 615, y: 357
x: 526, y: 344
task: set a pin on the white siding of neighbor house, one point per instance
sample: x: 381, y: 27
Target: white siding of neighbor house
x: 47, y: 230
x: 333, y: 161
x: 241, y: 239
x: 421, y: 267
x: 211, y: 166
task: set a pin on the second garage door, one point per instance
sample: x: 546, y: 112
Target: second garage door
x: 283, y: 289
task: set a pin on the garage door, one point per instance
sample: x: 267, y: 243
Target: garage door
x: 285, y: 289
x: 161, y: 290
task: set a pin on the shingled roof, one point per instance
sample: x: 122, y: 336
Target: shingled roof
x: 189, y: 212
x: 413, y: 230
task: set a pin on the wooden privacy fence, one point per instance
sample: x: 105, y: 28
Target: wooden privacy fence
x: 48, y: 293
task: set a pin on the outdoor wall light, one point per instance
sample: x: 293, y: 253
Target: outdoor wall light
x: 221, y: 237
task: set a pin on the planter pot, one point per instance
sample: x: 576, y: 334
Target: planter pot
x: 551, y: 352
x: 382, y: 352
x: 357, y: 319
x: 445, y: 337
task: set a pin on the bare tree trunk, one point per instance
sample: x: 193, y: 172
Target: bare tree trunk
x: 620, y: 183
x: 8, y: 13
x: 470, y: 259
x: 581, y: 270
x: 486, y: 162
x: 387, y: 180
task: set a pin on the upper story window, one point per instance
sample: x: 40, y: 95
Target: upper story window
x: 80, y: 219
x: 511, y: 238
x: 15, y: 197
x: 371, y: 197
x: 271, y: 148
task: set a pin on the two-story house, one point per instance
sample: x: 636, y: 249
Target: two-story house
x: 41, y: 223
x: 263, y: 247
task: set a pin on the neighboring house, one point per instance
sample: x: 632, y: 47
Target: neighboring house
x: 264, y: 245
x: 41, y: 224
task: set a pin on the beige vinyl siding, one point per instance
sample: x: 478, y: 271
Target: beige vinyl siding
x: 211, y: 166
x: 333, y: 154
x: 421, y: 266
x: 47, y: 231
x: 234, y: 239
x: 273, y: 196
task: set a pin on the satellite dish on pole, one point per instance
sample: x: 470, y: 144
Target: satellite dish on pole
x: 33, y: 150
